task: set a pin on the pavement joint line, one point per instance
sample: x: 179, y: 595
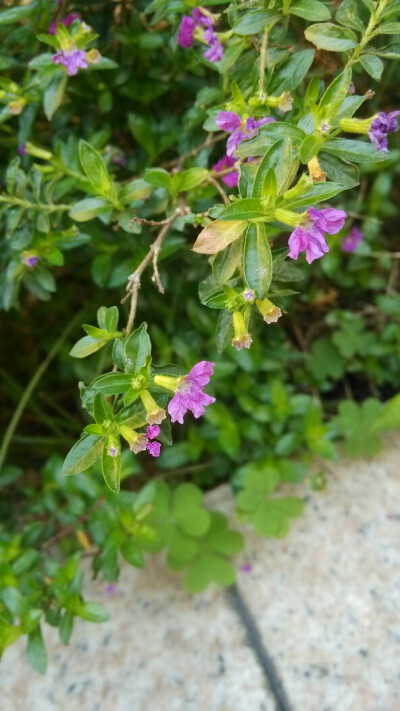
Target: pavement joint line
x: 256, y: 642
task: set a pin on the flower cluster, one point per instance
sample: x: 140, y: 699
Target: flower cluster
x: 200, y: 26
x: 309, y: 235
x: 240, y: 130
x: 380, y: 127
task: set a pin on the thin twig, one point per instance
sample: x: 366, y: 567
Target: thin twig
x: 134, y: 279
x: 208, y: 142
x: 220, y: 189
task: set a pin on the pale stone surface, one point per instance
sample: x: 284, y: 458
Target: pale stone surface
x: 162, y: 649
x: 327, y: 600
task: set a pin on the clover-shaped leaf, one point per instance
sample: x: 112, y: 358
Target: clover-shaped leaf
x: 268, y: 516
x: 356, y: 424
x: 211, y: 562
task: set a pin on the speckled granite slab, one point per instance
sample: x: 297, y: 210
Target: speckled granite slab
x: 321, y: 610
x: 327, y: 600
x: 161, y: 650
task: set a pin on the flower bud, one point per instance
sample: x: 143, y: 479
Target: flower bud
x: 36, y: 152
x: 302, y: 186
x: 268, y: 310
x: 17, y: 106
x: 317, y: 175
x: 353, y: 125
x: 93, y: 56
x: 242, y: 338
x: 167, y: 381
x: 154, y: 413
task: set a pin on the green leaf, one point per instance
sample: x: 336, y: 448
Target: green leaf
x: 279, y: 159
x: 132, y: 553
x: 37, y: 651
x: 101, y: 409
x: 246, y: 209
x: 331, y: 37
x: 339, y: 171
x: 389, y: 417
x: 94, y: 168
x: 310, y: 10
x: 318, y: 193
x: 334, y: 95
x: 14, y: 601
x: 16, y: 14
x: 257, y: 260
x: 197, y: 576
x: 291, y: 73
x: 86, y: 346
x: 253, y: 22
x: 8, y: 634
x: 108, y: 318
x: 224, y: 330
x: 82, y: 455
x: 325, y: 361
x: 372, y: 65
x: 349, y: 15
x: 66, y: 626
x: 112, y: 383
x: 211, y: 294
x: 89, y: 208
x: 137, y: 349
x: 356, y: 424
x: 226, y: 262
x: 159, y: 178
x: 54, y: 94
x: 388, y: 28
x: 188, y: 180
x: 97, y: 333
x: 111, y: 470
x: 309, y: 148
x: 92, y: 612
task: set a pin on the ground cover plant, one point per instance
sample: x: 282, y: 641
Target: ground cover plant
x: 210, y: 193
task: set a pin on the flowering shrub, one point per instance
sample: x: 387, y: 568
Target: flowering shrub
x: 179, y: 160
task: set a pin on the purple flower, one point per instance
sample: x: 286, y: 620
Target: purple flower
x: 200, y: 18
x: 29, y: 259
x: 67, y: 21
x: 216, y: 51
x: 246, y: 567
x: 309, y: 236
x: 228, y: 121
x: 186, y: 32
x: 380, y: 127
x: 328, y: 220
x: 153, y: 431
x: 21, y: 149
x: 189, y: 393
x: 72, y: 61
x: 351, y: 241
x: 110, y: 589
x: 232, y: 179
x: 113, y: 451
x: 231, y: 123
x: 154, y: 448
